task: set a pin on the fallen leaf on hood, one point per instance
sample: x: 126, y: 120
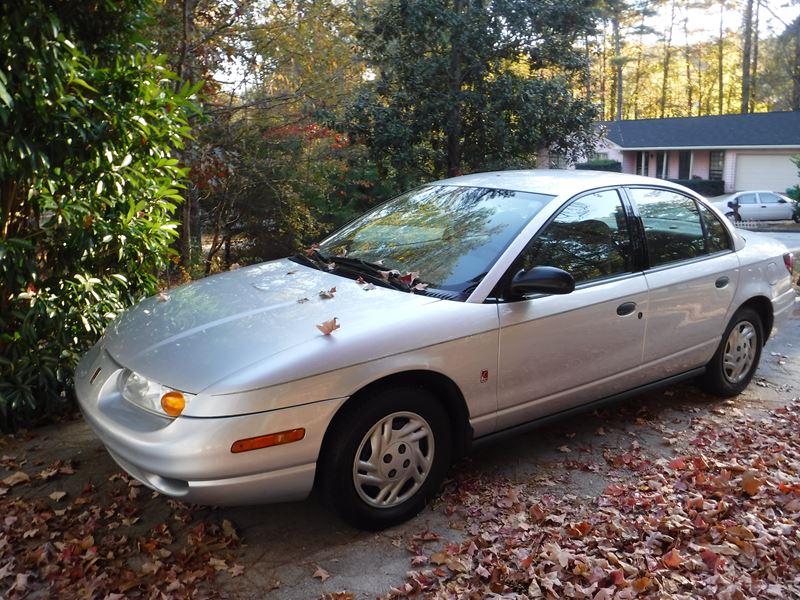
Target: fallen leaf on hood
x: 327, y: 294
x: 234, y: 267
x: 321, y: 573
x: 329, y: 327
x: 302, y: 300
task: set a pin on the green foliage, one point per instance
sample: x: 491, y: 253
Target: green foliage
x: 601, y: 164
x: 88, y: 186
x: 464, y: 86
x: 794, y: 191
x: 707, y: 187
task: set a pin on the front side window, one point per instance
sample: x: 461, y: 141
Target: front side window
x: 677, y: 228
x: 588, y: 238
x: 767, y: 198
x: 449, y: 235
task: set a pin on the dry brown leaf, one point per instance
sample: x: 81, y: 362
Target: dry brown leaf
x: 329, y: 327
x: 439, y: 558
x: 751, y: 483
x: 321, y: 574
x: 57, y: 496
x: 16, y: 478
x: 672, y: 559
x: 327, y: 294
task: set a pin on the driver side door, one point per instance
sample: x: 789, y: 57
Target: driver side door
x: 560, y: 351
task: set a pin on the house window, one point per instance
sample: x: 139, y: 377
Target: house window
x: 716, y: 164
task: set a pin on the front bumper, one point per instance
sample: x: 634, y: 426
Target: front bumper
x: 190, y: 458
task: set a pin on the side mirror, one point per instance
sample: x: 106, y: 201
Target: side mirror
x: 542, y: 280
x: 781, y: 201
x: 732, y: 204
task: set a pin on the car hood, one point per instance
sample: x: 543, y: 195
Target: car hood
x: 194, y: 336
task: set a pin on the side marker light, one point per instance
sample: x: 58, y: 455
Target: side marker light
x: 265, y: 441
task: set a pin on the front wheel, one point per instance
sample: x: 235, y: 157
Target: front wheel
x: 733, y: 365
x: 386, y: 457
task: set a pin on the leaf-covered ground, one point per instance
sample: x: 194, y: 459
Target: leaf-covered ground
x: 716, y: 519
x: 93, y: 543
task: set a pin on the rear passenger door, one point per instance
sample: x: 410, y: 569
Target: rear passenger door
x: 691, y: 274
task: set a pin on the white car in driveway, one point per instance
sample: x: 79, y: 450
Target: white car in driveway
x: 460, y: 311
x: 758, y: 205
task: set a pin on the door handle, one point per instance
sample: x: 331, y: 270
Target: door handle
x: 722, y: 282
x: 626, y: 308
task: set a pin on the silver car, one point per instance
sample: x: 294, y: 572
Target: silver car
x: 465, y: 309
x: 758, y: 205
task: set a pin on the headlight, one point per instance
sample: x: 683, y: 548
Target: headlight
x: 152, y: 396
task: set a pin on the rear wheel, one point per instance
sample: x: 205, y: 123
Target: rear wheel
x: 387, y: 457
x: 733, y: 365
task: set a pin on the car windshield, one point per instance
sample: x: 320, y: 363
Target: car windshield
x: 449, y: 235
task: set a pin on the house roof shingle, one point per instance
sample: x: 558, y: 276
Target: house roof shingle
x: 713, y: 131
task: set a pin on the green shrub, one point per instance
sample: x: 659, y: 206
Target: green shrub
x: 88, y: 185
x: 601, y: 164
x: 707, y: 187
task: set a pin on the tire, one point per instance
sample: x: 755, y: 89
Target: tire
x: 375, y: 480
x: 796, y: 217
x: 732, y: 367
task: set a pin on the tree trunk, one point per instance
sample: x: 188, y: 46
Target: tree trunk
x: 746, y: 54
x: 796, y: 67
x: 617, y: 67
x: 666, y: 63
x: 454, y: 117
x: 720, y: 55
x: 688, y: 57
x: 754, y: 70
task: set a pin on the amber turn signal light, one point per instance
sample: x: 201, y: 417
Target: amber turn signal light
x: 173, y: 403
x: 265, y: 441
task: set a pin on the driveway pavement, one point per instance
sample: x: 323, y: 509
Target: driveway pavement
x: 75, y: 503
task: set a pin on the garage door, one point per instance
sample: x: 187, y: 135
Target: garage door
x: 760, y: 172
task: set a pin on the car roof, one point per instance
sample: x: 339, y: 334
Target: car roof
x: 554, y: 182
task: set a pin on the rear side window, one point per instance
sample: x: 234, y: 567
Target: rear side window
x: 676, y: 227
x: 746, y: 199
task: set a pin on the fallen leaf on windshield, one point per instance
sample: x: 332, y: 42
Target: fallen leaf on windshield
x: 386, y: 275
x: 309, y: 251
x: 342, y: 253
x: 361, y: 280
x: 420, y: 287
x: 321, y: 573
x: 409, y: 278
x: 326, y: 294
x: 329, y: 327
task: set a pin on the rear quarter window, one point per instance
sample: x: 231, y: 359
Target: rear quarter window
x: 676, y: 227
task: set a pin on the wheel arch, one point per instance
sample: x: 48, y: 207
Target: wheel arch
x: 763, y: 308
x: 441, y: 386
